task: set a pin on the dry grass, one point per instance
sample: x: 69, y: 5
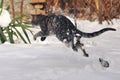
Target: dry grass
x: 82, y: 9
x: 87, y: 9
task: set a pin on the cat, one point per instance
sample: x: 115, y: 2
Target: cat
x: 64, y: 30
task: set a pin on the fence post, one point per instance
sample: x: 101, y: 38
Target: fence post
x: 100, y: 11
x: 13, y: 9
x: 75, y: 12
x: 21, y: 9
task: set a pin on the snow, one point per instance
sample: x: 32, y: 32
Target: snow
x: 4, y: 18
x: 52, y: 60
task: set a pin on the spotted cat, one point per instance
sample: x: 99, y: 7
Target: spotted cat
x: 63, y: 29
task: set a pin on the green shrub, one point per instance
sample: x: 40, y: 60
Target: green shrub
x: 13, y: 29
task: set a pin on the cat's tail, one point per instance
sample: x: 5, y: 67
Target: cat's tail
x: 94, y: 34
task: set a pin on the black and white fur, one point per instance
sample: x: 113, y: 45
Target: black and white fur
x: 63, y: 29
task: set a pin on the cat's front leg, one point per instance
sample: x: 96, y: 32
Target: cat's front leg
x: 36, y: 35
x: 39, y: 34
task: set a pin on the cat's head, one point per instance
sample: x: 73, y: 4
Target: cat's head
x: 36, y: 19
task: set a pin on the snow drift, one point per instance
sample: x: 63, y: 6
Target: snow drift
x: 52, y: 60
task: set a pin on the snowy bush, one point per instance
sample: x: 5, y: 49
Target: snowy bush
x: 11, y: 28
x: 4, y: 18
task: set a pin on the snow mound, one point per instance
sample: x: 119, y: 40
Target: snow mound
x: 52, y: 60
x: 4, y: 18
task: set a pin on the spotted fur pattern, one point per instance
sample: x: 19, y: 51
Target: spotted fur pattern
x: 64, y: 30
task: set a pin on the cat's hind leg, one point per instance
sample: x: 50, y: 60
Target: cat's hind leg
x: 74, y: 47
x: 80, y: 45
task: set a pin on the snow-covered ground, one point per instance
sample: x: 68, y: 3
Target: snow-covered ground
x: 52, y: 60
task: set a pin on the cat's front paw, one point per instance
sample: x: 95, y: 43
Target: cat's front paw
x: 43, y: 38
